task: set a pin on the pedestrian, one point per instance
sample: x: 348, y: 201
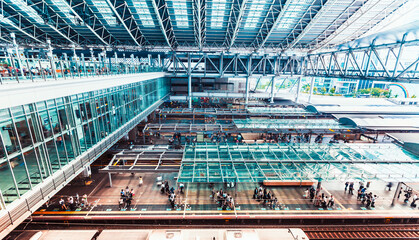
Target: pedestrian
x: 351, y: 188
x: 62, y: 204
x: 140, y: 181
x: 346, y: 186
x: 331, y: 201
x: 373, y: 199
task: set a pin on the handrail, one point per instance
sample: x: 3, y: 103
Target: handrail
x: 18, y: 70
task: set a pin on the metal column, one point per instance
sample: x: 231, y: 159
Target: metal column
x: 189, y: 82
x: 110, y: 179
x: 311, y: 89
x: 298, y: 90
x: 272, y: 89
x: 247, y: 91
x: 396, y: 193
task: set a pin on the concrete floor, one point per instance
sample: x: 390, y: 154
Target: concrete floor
x: 148, y: 199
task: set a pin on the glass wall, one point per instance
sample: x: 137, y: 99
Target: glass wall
x: 38, y: 139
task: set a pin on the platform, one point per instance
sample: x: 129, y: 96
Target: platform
x: 149, y: 204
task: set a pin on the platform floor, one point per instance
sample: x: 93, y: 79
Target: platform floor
x: 149, y: 201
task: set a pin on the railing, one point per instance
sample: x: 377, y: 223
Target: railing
x: 16, y: 70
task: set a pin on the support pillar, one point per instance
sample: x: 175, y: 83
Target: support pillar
x: 110, y: 179
x: 311, y: 89
x: 189, y: 82
x: 272, y: 89
x: 298, y: 90
x: 396, y: 193
x: 247, y: 91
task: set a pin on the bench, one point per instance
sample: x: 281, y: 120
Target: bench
x: 285, y: 183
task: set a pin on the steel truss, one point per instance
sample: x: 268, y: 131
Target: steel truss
x: 199, y: 11
x: 17, y: 22
x: 236, y: 15
x: 191, y: 112
x: 231, y: 65
x: 122, y: 12
x: 163, y: 17
x: 85, y: 16
x: 145, y: 159
x: 281, y: 126
x: 375, y: 62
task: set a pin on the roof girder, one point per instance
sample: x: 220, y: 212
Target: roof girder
x: 124, y: 15
x: 324, y: 9
x: 163, y: 17
x: 199, y: 7
x: 84, y: 12
x: 22, y: 28
x: 270, y: 22
x: 236, y: 16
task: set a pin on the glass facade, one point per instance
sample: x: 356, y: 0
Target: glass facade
x: 38, y: 139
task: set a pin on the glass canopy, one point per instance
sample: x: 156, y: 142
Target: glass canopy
x: 209, y: 162
x: 285, y: 111
x: 289, y: 124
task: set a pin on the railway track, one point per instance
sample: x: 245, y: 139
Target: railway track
x: 351, y: 233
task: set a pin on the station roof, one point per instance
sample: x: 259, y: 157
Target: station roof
x: 171, y: 24
x: 210, y: 162
x: 290, y: 124
x: 383, y: 122
x: 384, y: 110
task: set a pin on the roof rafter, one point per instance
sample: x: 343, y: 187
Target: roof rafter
x: 122, y: 12
x: 52, y: 22
x: 81, y: 21
x: 162, y: 13
x: 86, y: 16
x: 272, y: 19
x: 352, y: 20
x: 32, y: 33
x: 199, y: 7
x: 236, y: 16
x: 324, y: 9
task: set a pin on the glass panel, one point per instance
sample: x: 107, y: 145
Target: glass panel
x: 19, y: 170
x: 32, y: 164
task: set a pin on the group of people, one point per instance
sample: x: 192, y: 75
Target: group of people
x: 408, y: 193
x: 73, y: 203
x: 366, y: 199
x: 319, y: 200
x: 126, y: 198
x: 170, y: 192
x: 267, y: 198
x: 223, y: 199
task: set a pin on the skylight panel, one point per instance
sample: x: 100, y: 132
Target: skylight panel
x: 255, y: 13
x: 217, y: 13
x: 23, y: 6
x: 105, y: 11
x: 181, y: 13
x: 293, y: 13
x: 65, y: 9
x: 144, y: 13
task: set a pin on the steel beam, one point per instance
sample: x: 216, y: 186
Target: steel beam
x: 320, y: 14
x: 52, y: 20
x: 236, y: 16
x: 99, y: 31
x: 122, y: 12
x: 199, y: 7
x: 163, y: 17
x: 272, y: 18
x: 31, y: 31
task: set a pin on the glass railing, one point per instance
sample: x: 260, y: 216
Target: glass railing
x: 16, y: 70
